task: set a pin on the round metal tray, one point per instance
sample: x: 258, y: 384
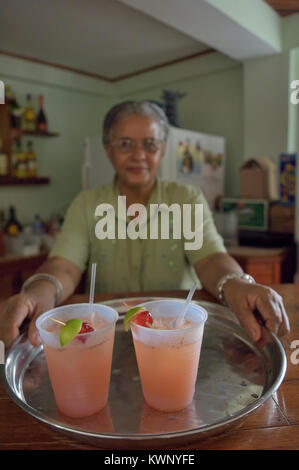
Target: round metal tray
x: 235, y: 377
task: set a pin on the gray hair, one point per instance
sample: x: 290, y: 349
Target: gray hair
x: 128, y: 108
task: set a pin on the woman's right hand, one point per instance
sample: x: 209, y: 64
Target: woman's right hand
x: 38, y: 298
x: 15, y: 309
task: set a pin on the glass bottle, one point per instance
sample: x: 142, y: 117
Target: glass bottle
x: 21, y: 169
x: 3, y: 161
x: 31, y: 161
x: 15, y: 110
x: 14, y: 159
x: 29, y: 115
x: 13, y: 227
x: 2, y: 224
x: 41, y: 120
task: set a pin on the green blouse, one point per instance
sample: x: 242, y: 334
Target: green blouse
x: 134, y: 265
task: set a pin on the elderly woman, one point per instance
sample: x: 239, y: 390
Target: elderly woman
x: 134, y: 136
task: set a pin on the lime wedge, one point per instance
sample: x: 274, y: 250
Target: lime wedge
x: 70, y: 331
x: 130, y: 315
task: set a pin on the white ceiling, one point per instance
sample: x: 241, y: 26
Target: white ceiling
x: 104, y: 37
x: 112, y: 38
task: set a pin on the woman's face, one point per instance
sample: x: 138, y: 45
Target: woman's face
x: 135, y: 150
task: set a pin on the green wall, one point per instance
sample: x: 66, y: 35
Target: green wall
x: 266, y: 82
x: 270, y: 119
x: 75, y: 107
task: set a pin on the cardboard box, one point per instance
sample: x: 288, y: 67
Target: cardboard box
x: 259, y: 180
x: 287, y: 178
x: 281, y: 218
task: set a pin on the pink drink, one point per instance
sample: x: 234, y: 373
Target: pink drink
x: 80, y: 381
x: 168, y: 358
x: 80, y: 371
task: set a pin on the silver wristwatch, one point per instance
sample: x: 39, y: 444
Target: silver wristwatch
x: 44, y: 277
x: 227, y: 277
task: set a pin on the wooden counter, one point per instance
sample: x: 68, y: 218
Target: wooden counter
x: 274, y: 425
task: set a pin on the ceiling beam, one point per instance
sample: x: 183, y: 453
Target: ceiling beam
x: 240, y: 29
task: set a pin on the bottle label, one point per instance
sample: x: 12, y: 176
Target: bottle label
x: 13, y: 230
x: 30, y: 115
x: 3, y: 165
x: 42, y: 127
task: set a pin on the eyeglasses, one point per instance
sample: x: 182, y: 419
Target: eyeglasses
x: 149, y: 145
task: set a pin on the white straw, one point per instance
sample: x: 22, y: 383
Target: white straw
x: 58, y: 321
x: 92, y: 284
x: 180, y: 318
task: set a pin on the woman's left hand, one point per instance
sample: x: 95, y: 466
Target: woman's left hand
x: 244, y: 299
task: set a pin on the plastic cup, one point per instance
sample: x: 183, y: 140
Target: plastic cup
x: 168, y: 359
x: 80, y: 371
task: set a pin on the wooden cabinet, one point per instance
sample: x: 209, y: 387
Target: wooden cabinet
x: 266, y: 265
x: 14, y: 270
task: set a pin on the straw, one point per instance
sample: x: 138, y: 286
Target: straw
x: 91, y: 291
x: 180, y: 318
x: 58, y: 321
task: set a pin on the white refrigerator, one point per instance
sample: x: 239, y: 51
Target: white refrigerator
x: 197, y: 159
x: 191, y: 157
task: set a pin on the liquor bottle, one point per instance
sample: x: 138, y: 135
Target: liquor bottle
x: 13, y: 227
x: 38, y: 225
x: 2, y: 224
x: 29, y: 115
x: 15, y: 110
x: 3, y: 161
x: 21, y: 169
x: 14, y: 159
x: 8, y: 95
x: 53, y: 226
x: 31, y: 161
x: 41, y: 120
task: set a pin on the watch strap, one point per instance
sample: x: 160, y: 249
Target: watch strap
x: 221, y: 283
x: 44, y: 277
